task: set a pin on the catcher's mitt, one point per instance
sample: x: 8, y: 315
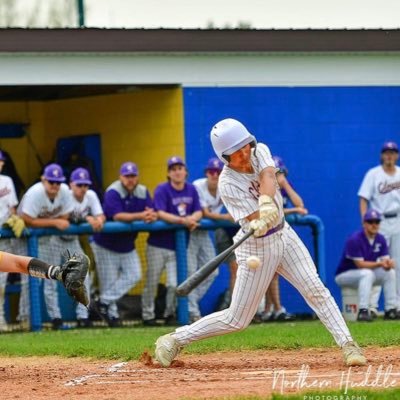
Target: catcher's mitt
x: 73, y: 274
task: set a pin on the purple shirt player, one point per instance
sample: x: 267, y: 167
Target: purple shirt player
x: 359, y: 247
x: 175, y: 197
x: 118, y: 199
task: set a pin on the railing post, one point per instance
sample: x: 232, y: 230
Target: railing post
x: 34, y: 288
x: 181, y: 264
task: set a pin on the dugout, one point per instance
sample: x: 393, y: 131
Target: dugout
x: 324, y: 100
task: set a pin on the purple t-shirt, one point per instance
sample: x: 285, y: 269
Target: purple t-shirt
x: 116, y: 200
x: 358, y: 247
x: 179, y: 202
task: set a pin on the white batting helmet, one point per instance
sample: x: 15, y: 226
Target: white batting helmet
x: 228, y: 136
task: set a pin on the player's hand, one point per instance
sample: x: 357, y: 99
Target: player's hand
x: 191, y: 223
x: 388, y: 263
x: 61, y: 224
x: 149, y: 215
x: 259, y: 226
x: 301, y: 210
x: 96, y: 223
x: 268, y: 210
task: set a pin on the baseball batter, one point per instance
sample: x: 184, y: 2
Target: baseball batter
x: 248, y: 189
x: 380, y: 190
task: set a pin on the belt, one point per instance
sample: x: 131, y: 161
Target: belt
x: 390, y: 215
x: 273, y: 230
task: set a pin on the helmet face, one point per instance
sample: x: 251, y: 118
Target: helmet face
x: 228, y: 136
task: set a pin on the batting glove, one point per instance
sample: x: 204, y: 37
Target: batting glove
x: 268, y: 210
x: 16, y: 224
x: 259, y: 226
x: 72, y: 274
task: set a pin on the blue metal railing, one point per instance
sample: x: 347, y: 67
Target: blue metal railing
x: 33, y: 234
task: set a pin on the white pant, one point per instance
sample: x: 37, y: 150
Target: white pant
x: 364, y: 278
x: 282, y: 249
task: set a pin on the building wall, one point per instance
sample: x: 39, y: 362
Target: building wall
x: 144, y: 126
x: 327, y: 136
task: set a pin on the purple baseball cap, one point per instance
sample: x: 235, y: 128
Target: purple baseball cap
x: 390, y: 146
x: 214, y: 164
x: 2, y: 156
x: 371, y: 215
x: 80, y: 176
x: 54, y: 173
x: 175, y: 160
x: 128, y: 168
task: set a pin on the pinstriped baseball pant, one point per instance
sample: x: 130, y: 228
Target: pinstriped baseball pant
x: 117, y: 273
x: 282, y: 252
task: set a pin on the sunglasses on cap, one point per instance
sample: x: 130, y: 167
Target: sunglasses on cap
x: 82, y: 185
x: 214, y: 171
x: 54, y: 182
x: 373, y: 222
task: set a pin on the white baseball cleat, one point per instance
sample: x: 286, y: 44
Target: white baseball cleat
x: 167, y: 348
x: 353, y: 355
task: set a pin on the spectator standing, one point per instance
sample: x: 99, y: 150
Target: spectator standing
x: 87, y: 208
x: 48, y: 204
x: 380, y: 190
x: 366, y: 262
x: 176, y: 202
x: 117, y: 262
x: 8, y: 203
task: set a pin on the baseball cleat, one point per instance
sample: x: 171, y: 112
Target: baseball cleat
x: 353, y: 355
x: 167, y: 348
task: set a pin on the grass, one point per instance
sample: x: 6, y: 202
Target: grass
x: 129, y: 343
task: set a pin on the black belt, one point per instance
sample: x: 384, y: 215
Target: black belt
x: 390, y: 215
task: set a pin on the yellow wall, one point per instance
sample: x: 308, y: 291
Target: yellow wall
x: 145, y: 126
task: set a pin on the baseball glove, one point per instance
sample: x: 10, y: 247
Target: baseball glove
x: 16, y: 224
x: 73, y: 274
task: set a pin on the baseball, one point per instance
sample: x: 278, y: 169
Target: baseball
x: 253, y: 262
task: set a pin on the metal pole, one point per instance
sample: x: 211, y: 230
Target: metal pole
x: 81, y: 13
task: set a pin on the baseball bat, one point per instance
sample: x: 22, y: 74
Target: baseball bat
x: 195, y: 279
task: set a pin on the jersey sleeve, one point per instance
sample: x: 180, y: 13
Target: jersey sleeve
x: 30, y: 204
x: 13, y: 194
x: 149, y: 200
x: 196, y: 200
x: 197, y: 185
x: 160, y: 199
x: 95, y: 205
x: 384, y: 250
x: 112, y: 203
x: 367, y: 186
x: 263, y: 157
x: 353, y: 250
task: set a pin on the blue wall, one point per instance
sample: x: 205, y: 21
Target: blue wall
x: 328, y: 137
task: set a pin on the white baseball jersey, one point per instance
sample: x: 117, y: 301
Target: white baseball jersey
x: 90, y: 205
x: 8, y: 198
x: 37, y: 204
x: 207, y: 200
x: 240, y: 192
x: 381, y: 190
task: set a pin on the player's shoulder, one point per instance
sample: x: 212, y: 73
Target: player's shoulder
x: 140, y: 191
x: 6, y: 180
x: 91, y: 194
x: 200, y: 183
x: 37, y: 187
x: 262, y: 147
x: 356, y: 236
x: 377, y: 170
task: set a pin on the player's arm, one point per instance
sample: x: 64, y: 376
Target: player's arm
x: 369, y: 264
x: 216, y: 216
x: 363, y: 206
x: 294, y: 197
x: 61, y: 222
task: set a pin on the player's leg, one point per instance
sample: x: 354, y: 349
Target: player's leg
x: 251, y: 285
x: 394, y: 250
x: 387, y: 278
x: 298, y: 268
x: 155, y: 265
x: 192, y: 256
x: 172, y: 281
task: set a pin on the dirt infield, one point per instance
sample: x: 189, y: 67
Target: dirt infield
x: 192, y: 376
